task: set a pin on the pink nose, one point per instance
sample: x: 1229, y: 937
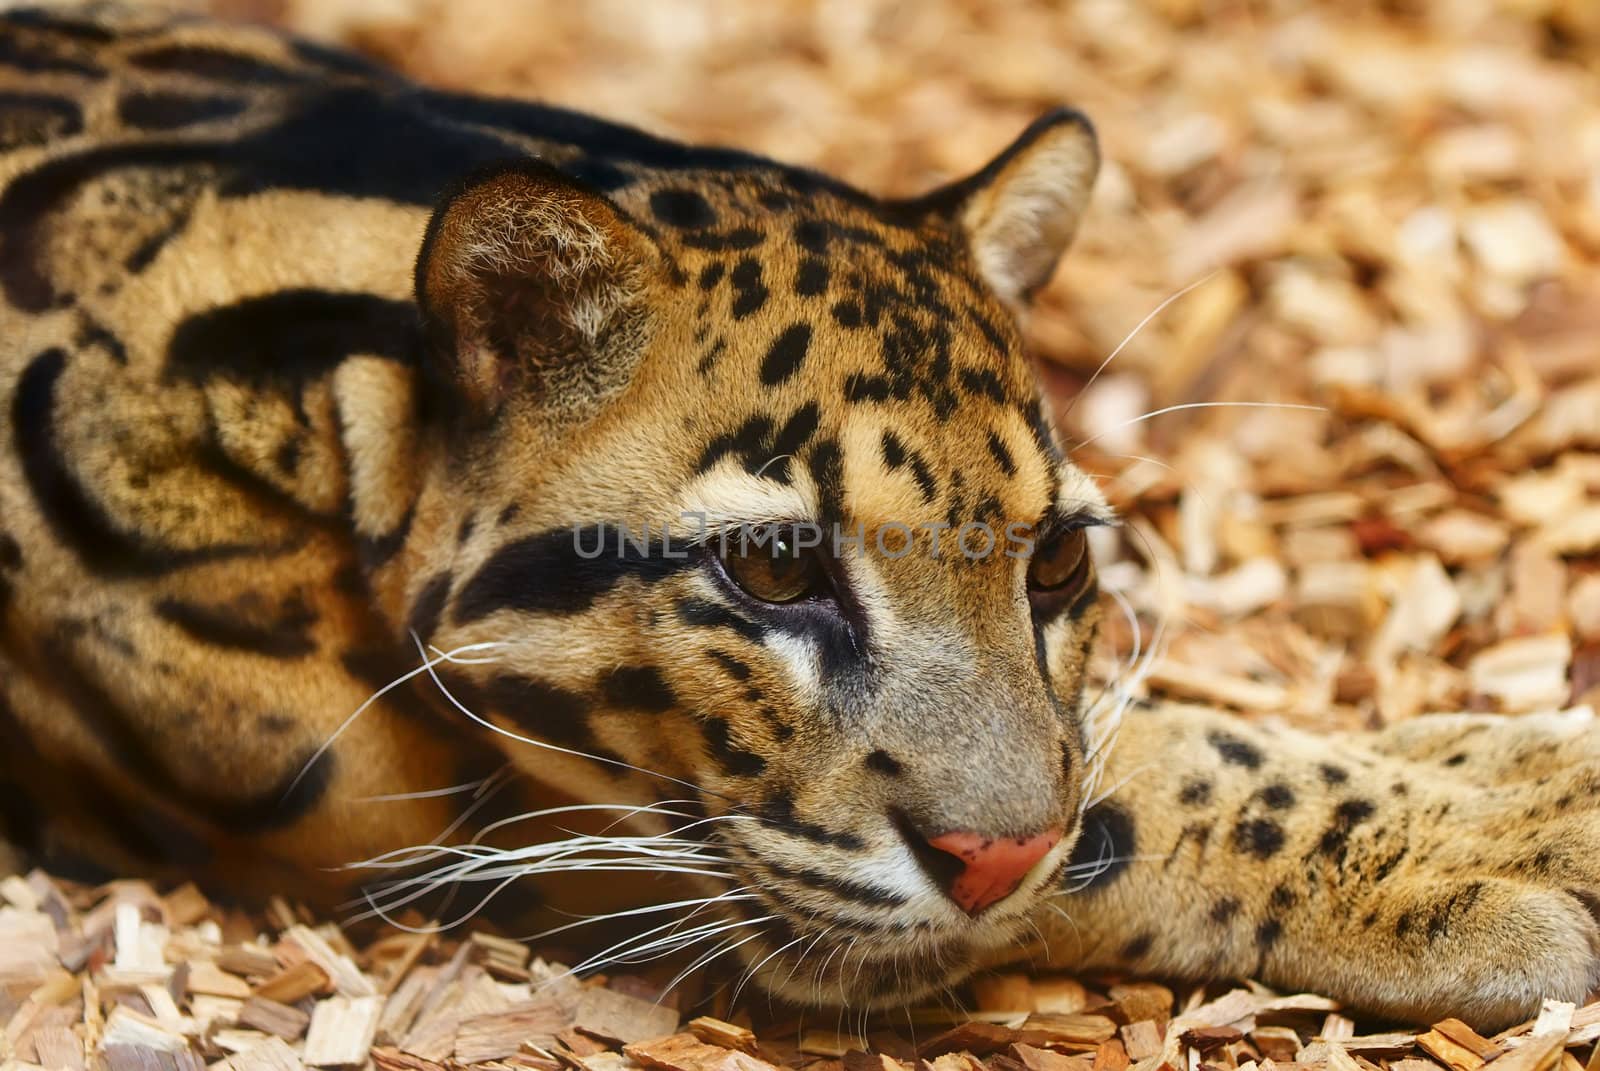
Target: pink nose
x: 994, y: 866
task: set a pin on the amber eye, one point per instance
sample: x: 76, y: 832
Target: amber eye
x: 774, y: 564
x: 1060, y: 564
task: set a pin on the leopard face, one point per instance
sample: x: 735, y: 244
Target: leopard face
x: 766, y: 525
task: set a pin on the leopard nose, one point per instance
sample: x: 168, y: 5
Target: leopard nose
x: 990, y: 868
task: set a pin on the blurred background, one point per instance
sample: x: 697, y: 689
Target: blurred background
x: 1389, y: 210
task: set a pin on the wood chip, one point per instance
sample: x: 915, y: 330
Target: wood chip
x: 346, y: 978
x: 728, y: 1035
x: 499, y: 1034
x: 1141, y: 1039
x: 978, y: 1038
x: 341, y: 1031
x: 272, y: 1054
x: 685, y: 1052
x: 1037, y: 1059
x: 1468, y: 1038
x: 271, y: 1017
x: 619, y: 1018
x: 58, y: 1047
x: 1449, y: 1052
x: 295, y: 983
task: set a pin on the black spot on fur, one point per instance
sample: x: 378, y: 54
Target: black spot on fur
x: 1333, y: 775
x: 790, y: 439
x: 60, y: 23
x: 539, y: 708
x: 781, y: 730
x: 894, y: 451
x: 1457, y: 759
x: 1283, y: 898
x: 290, y: 337
x: 1346, y: 816
x: 10, y: 553
x: 732, y: 241
x: 562, y: 571
x: 1195, y: 793
x: 811, y: 235
x: 884, y: 763
x: 811, y: 278
x: 787, y: 354
x: 708, y: 359
x: 778, y: 810
x: 1402, y: 925
x: 835, y: 886
x: 273, y: 632
x: 36, y: 118
x: 172, y: 111
x: 827, y: 473
x: 747, y: 442
x: 1224, y: 910
x: 847, y: 313
x: 91, y: 335
x: 982, y: 383
x: 638, y: 688
x: 750, y: 293
x: 214, y: 64
x: 429, y: 607
x: 1234, y: 750
x: 1105, y: 847
x: 1139, y: 947
x: 287, y: 456
x: 1267, y: 934
x: 704, y: 614
x: 1278, y: 796
x: 738, y: 670
x: 1261, y: 838
x: 41, y: 58
x: 711, y: 274
x: 1001, y: 455
x: 682, y: 208
x: 862, y: 387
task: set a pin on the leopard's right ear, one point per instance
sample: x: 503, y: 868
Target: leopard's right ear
x: 531, y: 285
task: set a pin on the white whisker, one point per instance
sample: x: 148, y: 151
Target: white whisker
x: 426, y: 667
x: 1195, y: 405
x: 1131, y: 335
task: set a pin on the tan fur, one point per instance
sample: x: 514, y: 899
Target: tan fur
x: 256, y: 469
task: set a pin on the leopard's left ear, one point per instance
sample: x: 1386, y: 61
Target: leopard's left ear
x: 1021, y: 211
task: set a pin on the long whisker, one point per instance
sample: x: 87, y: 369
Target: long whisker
x: 1194, y: 405
x: 698, y: 902
x: 426, y: 667
x: 1131, y: 335
x: 425, y: 794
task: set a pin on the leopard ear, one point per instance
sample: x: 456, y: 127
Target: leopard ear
x: 530, y: 284
x: 1021, y: 211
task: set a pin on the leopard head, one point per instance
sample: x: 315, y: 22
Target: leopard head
x: 741, y: 479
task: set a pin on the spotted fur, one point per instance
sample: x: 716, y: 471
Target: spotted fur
x: 309, y: 372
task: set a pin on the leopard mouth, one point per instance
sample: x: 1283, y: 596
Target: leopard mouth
x: 863, y: 969
x: 814, y: 957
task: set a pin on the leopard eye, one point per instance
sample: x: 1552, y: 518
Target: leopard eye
x: 772, y: 565
x: 1060, y: 565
